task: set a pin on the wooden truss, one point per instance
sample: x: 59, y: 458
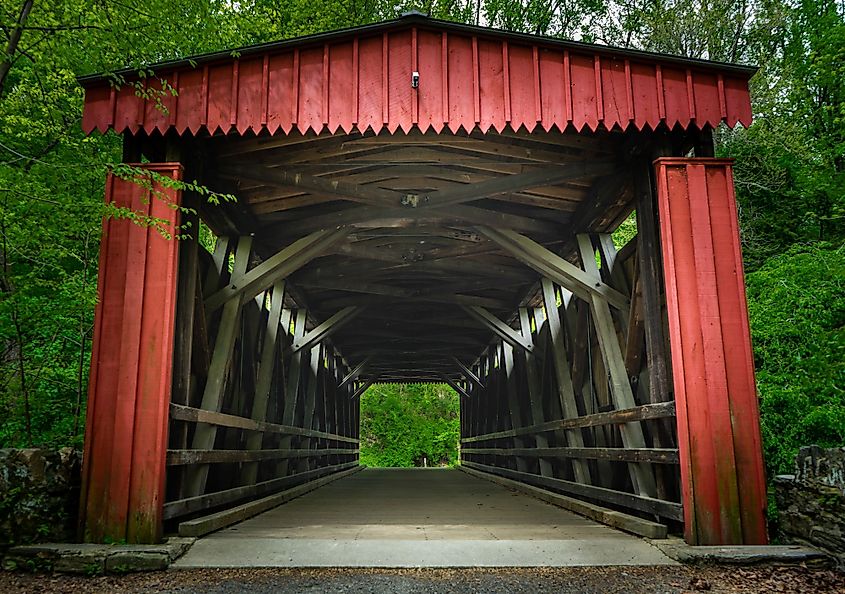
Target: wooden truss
x: 480, y: 261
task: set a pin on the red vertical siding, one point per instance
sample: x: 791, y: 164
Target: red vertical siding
x: 466, y: 81
x: 126, y: 429
x: 716, y: 400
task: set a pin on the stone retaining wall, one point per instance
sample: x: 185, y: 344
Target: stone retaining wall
x: 39, y: 495
x: 812, y: 501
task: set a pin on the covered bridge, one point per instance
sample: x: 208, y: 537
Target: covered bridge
x: 422, y: 201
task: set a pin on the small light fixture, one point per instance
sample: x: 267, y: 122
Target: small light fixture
x: 415, y: 79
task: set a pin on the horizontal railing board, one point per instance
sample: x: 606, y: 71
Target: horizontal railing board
x: 611, y: 517
x: 617, y: 417
x: 189, y: 505
x: 210, y: 523
x: 659, y: 507
x: 179, y: 412
x: 655, y: 455
x: 187, y: 457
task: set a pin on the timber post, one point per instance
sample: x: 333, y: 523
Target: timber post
x: 722, y: 473
x: 123, y: 477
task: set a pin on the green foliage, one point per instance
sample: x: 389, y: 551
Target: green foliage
x: 626, y: 231
x: 790, y: 164
x: 789, y: 174
x: 797, y: 310
x: 51, y: 190
x: 401, y: 425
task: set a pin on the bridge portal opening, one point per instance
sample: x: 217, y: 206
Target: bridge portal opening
x: 410, y: 426
x: 540, y: 225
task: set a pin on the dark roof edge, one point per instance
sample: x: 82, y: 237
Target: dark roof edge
x: 422, y: 21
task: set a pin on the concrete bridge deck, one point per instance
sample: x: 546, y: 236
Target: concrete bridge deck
x: 418, y: 517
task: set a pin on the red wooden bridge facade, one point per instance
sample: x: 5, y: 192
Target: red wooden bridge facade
x: 422, y: 201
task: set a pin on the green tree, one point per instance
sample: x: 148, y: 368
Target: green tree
x: 409, y: 425
x: 797, y: 310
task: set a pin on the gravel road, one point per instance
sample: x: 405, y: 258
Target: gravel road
x: 599, y: 580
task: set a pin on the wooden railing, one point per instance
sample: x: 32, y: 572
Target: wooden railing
x: 258, y: 404
x: 572, y: 399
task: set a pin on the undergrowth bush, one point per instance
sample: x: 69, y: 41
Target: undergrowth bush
x: 403, y: 425
x: 797, y: 309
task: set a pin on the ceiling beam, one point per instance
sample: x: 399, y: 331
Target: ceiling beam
x: 512, y: 183
x: 371, y: 216
x: 290, y: 178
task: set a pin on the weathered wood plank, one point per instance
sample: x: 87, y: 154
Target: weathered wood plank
x: 512, y: 183
x: 560, y: 363
x: 326, y: 328
x: 650, y: 266
x: 454, y: 385
x: 221, y: 361
x: 620, y: 388
x: 554, y: 267
x: 468, y: 373
x: 610, y: 517
x: 198, y: 415
x: 661, y: 410
x: 292, y: 388
x: 502, y: 330
x: 654, y: 455
x: 188, y: 457
x: 277, y: 267
x: 314, y: 379
x: 363, y: 387
x: 189, y: 505
x: 354, y: 373
x: 266, y: 368
x: 535, y: 394
x: 514, y: 408
x: 658, y: 507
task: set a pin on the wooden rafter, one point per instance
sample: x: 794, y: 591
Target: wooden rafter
x: 502, y: 330
x: 554, y: 267
x: 277, y: 267
x: 326, y: 328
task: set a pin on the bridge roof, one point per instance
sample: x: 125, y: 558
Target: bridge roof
x: 470, y: 78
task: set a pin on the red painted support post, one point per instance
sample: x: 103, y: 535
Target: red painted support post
x: 130, y: 378
x: 722, y: 474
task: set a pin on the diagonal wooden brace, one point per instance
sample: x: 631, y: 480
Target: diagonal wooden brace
x: 642, y: 474
x: 277, y: 267
x: 468, y: 373
x: 454, y: 385
x: 502, y: 330
x: 554, y: 267
x: 327, y: 328
x: 352, y: 375
x: 363, y: 387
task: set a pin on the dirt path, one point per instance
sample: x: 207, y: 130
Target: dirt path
x: 628, y: 580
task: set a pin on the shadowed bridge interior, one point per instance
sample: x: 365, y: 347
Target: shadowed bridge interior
x: 540, y: 224
x: 458, y: 287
